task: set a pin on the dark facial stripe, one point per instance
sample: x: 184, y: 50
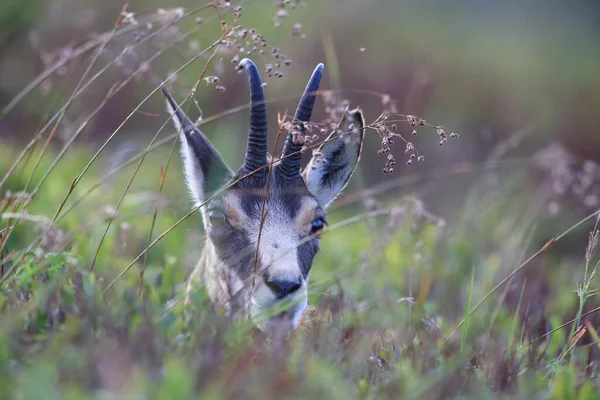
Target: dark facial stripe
x: 235, y: 250
x: 306, y: 254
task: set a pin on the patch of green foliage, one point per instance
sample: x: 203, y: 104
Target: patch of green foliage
x: 387, y: 290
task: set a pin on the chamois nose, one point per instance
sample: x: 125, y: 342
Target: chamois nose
x: 283, y: 287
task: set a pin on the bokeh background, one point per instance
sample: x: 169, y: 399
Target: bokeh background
x: 517, y: 81
x: 489, y: 70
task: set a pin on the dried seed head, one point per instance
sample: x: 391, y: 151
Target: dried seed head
x: 109, y: 212
x: 211, y: 80
x: 296, y: 29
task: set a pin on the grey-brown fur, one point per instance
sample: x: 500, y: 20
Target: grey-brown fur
x: 241, y: 280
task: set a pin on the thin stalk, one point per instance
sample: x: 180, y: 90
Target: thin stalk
x: 544, y: 248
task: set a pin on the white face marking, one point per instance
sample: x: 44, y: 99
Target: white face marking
x: 278, y: 251
x: 277, y: 247
x: 278, y: 236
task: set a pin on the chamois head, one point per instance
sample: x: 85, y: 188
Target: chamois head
x: 263, y: 222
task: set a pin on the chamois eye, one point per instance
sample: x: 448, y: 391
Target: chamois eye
x: 317, y: 226
x: 216, y: 218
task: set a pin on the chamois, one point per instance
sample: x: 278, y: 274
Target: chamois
x: 267, y: 204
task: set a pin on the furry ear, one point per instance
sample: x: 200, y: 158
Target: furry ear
x: 328, y: 172
x: 205, y: 171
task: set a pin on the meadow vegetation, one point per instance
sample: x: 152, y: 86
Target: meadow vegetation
x: 473, y: 279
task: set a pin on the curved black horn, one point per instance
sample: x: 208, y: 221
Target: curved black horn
x: 289, y: 168
x: 256, y: 149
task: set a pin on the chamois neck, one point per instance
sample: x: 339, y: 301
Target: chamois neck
x: 225, y: 289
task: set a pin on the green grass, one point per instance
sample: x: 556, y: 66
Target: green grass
x: 469, y: 294
x: 65, y: 336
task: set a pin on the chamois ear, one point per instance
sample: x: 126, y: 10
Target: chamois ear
x: 330, y: 169
x: 204, y: 169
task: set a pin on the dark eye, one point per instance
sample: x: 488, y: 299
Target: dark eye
x: 216, y: 218
x: 317, y: 226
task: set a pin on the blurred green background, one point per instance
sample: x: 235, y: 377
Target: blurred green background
x: 518, y: 81
x: 488, y: 70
